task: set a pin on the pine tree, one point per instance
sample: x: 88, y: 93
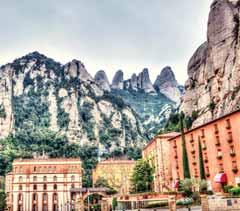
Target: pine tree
x: 201, y: 163
x: 186, y: 170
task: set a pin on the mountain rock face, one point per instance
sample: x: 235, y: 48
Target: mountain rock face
x: 117, y: 82
x: 102, y: 80
x: 37, y: 92
x: 167, y: 84
x: 144, y: 82
x: 213, y: 86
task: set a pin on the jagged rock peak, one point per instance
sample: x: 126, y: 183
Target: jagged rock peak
x: 167, y: 84
x: 166, y: 75
x: 144, y: 81
x: 76, y: 68
x: 117, y: 82
x: 102, y: 80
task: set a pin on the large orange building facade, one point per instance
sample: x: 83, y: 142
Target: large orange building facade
x: 220, y: 141
x: 157, y: 152
x: 43, y: 184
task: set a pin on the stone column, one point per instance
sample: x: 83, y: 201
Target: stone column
x: 172, y: 203
x: 204, y: 202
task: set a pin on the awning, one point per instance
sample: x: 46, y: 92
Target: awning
x: 176, y: 184
x: 220, y: 178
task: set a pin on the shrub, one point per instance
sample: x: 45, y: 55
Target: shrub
x: 227, y: 188
x: 185, y: 201
x: 235, y: 191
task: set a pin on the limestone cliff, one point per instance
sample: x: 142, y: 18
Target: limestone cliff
x: 36, y: 91
x: 213, y: 86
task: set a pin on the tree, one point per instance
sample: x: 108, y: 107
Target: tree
x: 2, y: 200
x: 201, y: 163
x: 186, y: 170
x: 142, y: 177
x: 103, y: 183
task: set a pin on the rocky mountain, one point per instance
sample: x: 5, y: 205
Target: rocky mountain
x: 37, y: 92
x: 213, y: 85
x: 117, y: 82
x: 167, y: 84
x: 102, y: 80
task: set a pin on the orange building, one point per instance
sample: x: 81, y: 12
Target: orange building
x: 117, y: 173
x: 43, y: 184
x: 220, y: 151
x: 157, y: 152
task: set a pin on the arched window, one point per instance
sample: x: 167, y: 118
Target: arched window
x: 20, y: 187
x: 20, y: 179
x: 45, y: 178
x: 34, y: 187
x: 34, y: 197
x: 35, y: 179
x: 20, y: 202
x: 72, y: 178
x: 55, y: 178
x: 20, y: 197
x: 45, y: 202
x: 55, y: 203
x: 45, y: 187
x: 55, y: 186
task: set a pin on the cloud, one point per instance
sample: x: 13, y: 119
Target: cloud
x: 106, y: 34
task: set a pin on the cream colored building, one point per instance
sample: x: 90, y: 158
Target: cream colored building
x: 158, y: 153
x: 43, y: 184
x: 117, y: 173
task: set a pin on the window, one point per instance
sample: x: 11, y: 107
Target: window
x: 55, y: 186
x: 20, y: 179
x: 35, y: 187
x: 35, y: 179
x: 72, y: 186
x: 45, y: 178
x: 20, y: 187
x: 228, y: 126
x: 72, y: 178
x: 55, y: 197
x: 20, y: 197
x: 45, y: 197
x: 45, y: 207
x: 55, y: 178
x: 45, y: 187
x: 34, y: 168
x: 34, y: 197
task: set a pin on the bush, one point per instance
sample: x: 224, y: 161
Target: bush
x: 235, y: 191
x: 227, y: 188
x: 185, y: 201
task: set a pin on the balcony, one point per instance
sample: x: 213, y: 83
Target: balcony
x: 232, y: 153
x: 204, y: 147
x: 218, y: 143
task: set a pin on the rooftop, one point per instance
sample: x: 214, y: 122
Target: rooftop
x: 207, y: 123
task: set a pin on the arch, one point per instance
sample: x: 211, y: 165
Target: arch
x: 55, y: 202
x: 103, y: 194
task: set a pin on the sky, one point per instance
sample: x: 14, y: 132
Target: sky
x: 106, y: 34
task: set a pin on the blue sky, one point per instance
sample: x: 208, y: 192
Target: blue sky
x: 106, y: 34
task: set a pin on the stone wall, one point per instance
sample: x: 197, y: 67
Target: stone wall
x: 220, y: 203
